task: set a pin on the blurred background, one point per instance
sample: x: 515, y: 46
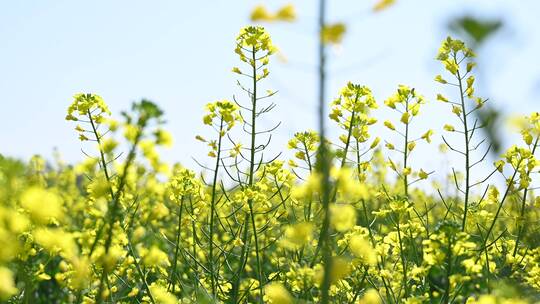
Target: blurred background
x: 180, y: 55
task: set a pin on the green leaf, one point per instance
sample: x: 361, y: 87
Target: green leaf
x: 476, y: 29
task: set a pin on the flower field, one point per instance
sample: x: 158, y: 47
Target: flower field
x: 347, y: 220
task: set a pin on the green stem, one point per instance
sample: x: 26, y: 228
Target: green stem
x: 242, y: 260
x: 324, y: 162
x: 466, y: 134
x: 139, y: 270
x: 446, y: 296
x: 406, y: 153
x: 114, y: 210
x: 310, y: 166
x: 521, y: 229
x: 387, y: 287
x: 252, y: 173
x: 320, y: 242
x: 101, y: 153
x: 250, y: 216
x: 308, y: 159
x: 107, y: 176
x: 403, y: 260
x: 506, y: 192
x: 213, y: 211
x: 172, y: 279
x: 349, y: 135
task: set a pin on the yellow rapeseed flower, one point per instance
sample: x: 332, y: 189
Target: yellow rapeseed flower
x: 362, y: 249
x: 7, y: 284
x: 43, y: 205
x: 342, y: 217
x: 333, y: 33
x: 276, y: 293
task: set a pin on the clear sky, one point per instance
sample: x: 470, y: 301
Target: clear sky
x: 180, y: 54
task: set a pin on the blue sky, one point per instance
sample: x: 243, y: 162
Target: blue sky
x: 180, y: 54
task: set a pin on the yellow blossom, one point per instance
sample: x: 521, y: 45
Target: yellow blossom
x: 449, y: 128
x: 383, y: 4
x: 389, y: 125
x: 155, y: 257
x: 42, y: 205
x: 342, y: 217
x: 333, y: 33
x: 371, y: 296
x: 56, y: 241
x: 276, y: 293
x: 7, y: 284
x: 362, y: 249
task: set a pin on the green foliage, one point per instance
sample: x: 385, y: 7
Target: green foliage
x: 478, y: 30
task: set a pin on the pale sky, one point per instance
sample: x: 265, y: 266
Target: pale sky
x: 180, y: 54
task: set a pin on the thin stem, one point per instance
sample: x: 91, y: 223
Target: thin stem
x: 194, y: 247
x: 172, y: 278
x: 466, y: 134
x: 213, y: 211
x: 250, y: 217
x: 243, y: 259
x: 114, y: 210
x: 101, y: 153
x: 105, y: 171
x: 349, y: 134
x: 406, y: 153
x: 403, y: 261
x: 332, y: 198
x: 446, y: 296
x: 324, y: 161
x: 508, y: 188
x: 139, y: 270
x: 308, y: 158
x: 251, y: 176
x: 521, y: 229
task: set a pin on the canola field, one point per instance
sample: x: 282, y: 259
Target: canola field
x: 347, y: 220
